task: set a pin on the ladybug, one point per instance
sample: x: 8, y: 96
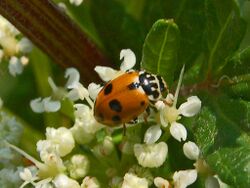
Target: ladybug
x: 124, y: 98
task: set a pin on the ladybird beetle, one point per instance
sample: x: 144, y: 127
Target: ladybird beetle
x: 124, y: 98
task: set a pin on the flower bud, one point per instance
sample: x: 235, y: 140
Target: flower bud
x: 151, y: 155
x: 78, y: 166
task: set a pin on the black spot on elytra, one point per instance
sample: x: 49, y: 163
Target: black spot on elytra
x: 108, y: 89
x: 133, y: 86
x: 116, y: 118
x: 142, y: 103
x: 101, y: 117
x: 115, y: 105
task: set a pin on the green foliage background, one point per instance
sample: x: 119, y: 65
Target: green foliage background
x: 212, y: 39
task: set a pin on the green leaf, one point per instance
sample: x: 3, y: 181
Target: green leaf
x: 160, y: 49
x: 224, y: 32
x: 232, y: 165
x: 240, y: 87
x: 205, y: 130
x: 219, y: 131
x: 238, y: 64
x: 238, y: 78
x: 189, y: 15
x: 117, y: 29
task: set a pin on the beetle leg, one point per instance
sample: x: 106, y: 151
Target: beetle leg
x: 146, y: 114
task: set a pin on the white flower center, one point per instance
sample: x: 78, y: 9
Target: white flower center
x: 170, y: 114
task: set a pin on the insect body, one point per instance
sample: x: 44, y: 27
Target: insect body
x: 126, y: 97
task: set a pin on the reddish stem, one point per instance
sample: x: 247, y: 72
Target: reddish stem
x: 52, y: 31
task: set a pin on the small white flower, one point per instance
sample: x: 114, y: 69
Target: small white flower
x: 62, y: 138
x: 129, y: 59
x: 53, y: 165
x: 51, y: 105
x: 24, y: 45
x: 37, y: 105
x: 178, y: 131
x: 73, y: 77
x: 90, y: 182
x: 78, y: 166
x: 212, y: 182
x: 94, y: 89
x: 191, y: 150
x: 105, y: 148
x: 161, y: 182
x: 132, y: 181
x: 78, y: 92
x: 107, y: 73
x: 76, y: 2
x: 15, y: 66
x: 152, y: 134
x: 40, y: 105
x: 184, y: 178
x: 169, y: 114
x: 9, y: 45
x: 27, y: 177
x: 85, y: 125
x: 151, y: 155
x: 63, y: 181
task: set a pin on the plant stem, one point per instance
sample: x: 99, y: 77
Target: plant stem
x: 50, y: 29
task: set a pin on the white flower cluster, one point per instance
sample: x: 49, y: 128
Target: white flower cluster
x: 55, y: 171
x: 13, y: 48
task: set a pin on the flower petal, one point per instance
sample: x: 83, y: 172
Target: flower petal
x: 212, y: 182
x: 63, y: 181
x: 132, y: 181
x: 51, y: 106
x: 73, y: 77
x: 129, y: 59
x: 37, y: 105
x: 62, y: 139
x: 178, y: 131
x: 161, y: 182
x: 191, y: 150
x: 25, y: 45
x: 94, y: 89
x: 15, y: 66
x: 151, y: 155
x: 90, y: 182
x: 76, y: 2
x: 78, y: 92
x: 184, y: 178
x: 26, y: 175
x: 106, y: 73
x: 191, y: 107
x: 152, y: 134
